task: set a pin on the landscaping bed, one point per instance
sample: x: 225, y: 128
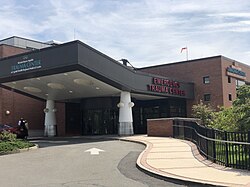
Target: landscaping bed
x: 10, y: 144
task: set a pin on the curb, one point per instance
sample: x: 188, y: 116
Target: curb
x: 167, y: 176
x: 29, y: 149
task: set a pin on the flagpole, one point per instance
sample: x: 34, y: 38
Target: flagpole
x: 185, y: 48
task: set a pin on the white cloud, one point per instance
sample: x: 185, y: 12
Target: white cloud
x: 145, y: 32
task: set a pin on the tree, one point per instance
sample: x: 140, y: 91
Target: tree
x: 203, y: 112
x: 235, y: 118
x: 226, y: 119
x: 241, y: 107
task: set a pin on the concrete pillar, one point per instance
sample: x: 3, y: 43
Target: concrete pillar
x: 125, y: 115
x: 50, y: 119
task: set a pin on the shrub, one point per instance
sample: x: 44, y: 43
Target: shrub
x: 13, y: 146
x: 7, y: 136
x: 203, y: 112
x: 10, y: 144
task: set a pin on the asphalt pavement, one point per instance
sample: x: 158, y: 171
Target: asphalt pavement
x: 75, y: 162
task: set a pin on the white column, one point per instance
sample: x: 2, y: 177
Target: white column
x: 125, y: 114
x: 50, y: 119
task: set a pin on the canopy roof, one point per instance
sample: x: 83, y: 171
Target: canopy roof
x: 74, y: 70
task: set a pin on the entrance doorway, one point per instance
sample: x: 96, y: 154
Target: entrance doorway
x: 100, y: 121
x: 100, y: 116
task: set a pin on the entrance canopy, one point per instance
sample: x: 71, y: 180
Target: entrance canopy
x: 74, y: 70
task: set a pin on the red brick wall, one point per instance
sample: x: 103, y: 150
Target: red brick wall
x: 6, y: 50
x: 160, y: 127
x: 194, y: 71
x: 21, y: 106
x: 231, y: 87
x: 30, y: 109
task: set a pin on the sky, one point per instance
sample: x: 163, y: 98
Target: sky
x: 146, y: 32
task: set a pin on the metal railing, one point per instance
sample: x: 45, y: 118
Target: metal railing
x: 231, y: 149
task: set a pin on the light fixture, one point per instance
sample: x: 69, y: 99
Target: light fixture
x: 7, y: 112
x: 131, y: 104
x: 57, y: 86
x: 32, y: 89
x: 81, y: 81
x: 120, y: 105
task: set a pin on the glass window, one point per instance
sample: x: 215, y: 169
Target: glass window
x: 229, y: 79
x: 230, y: 97
x: 207, y: 97
x: 206, y: 80
x: 239, y: 83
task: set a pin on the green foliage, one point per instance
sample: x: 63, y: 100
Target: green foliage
x: 225, y: 119
x: 236, y: 118
x: 203, y: 112
x: 7, y: 136
x: 9, y: 143
x: 13, y: 146
x: 242, y: 107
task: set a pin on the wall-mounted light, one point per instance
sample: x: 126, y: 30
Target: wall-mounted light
x: 7, y: 112
x: 46, y: 110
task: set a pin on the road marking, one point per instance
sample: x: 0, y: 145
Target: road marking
x: 94, y: 151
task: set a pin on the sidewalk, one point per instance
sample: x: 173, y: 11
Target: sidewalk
x: 179, y: 159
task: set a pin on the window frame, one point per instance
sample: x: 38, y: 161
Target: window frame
x: 230, y: 97
x: 207, y: 95
x: 206, y: 79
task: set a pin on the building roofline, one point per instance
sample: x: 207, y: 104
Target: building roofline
x: 190, y: 61
x: 25, y: 39
x: 15, y: 47
x: 181, y: 62
x: 226, y: 58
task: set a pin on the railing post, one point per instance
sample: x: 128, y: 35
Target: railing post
x: 174, y: 129
x: 184, y: 129
x: 206, y: 142
x: 214, y: 146
x: 226, y: 147
x: 248, y: 149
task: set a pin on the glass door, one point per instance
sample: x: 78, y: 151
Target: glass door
x: 100, y: 121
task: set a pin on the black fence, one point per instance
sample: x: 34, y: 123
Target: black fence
x: 231, y: 149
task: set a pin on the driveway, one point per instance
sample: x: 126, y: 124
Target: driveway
x: 72, y: 162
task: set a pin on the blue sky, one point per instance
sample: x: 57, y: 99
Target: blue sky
x: 146, y: 32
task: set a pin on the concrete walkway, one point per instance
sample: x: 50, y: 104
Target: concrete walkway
x: 179, y: 159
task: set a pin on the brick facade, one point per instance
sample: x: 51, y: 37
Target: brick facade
x: 195, y: 70
x: 7, y: 50
x: 160, y: 127
x: 21, y: 106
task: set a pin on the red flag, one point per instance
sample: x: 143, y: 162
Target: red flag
x: 184, y: 48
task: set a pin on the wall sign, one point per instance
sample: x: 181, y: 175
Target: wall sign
x: 26, y: 64
x: 166, y: 86
x: 236, y: 72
